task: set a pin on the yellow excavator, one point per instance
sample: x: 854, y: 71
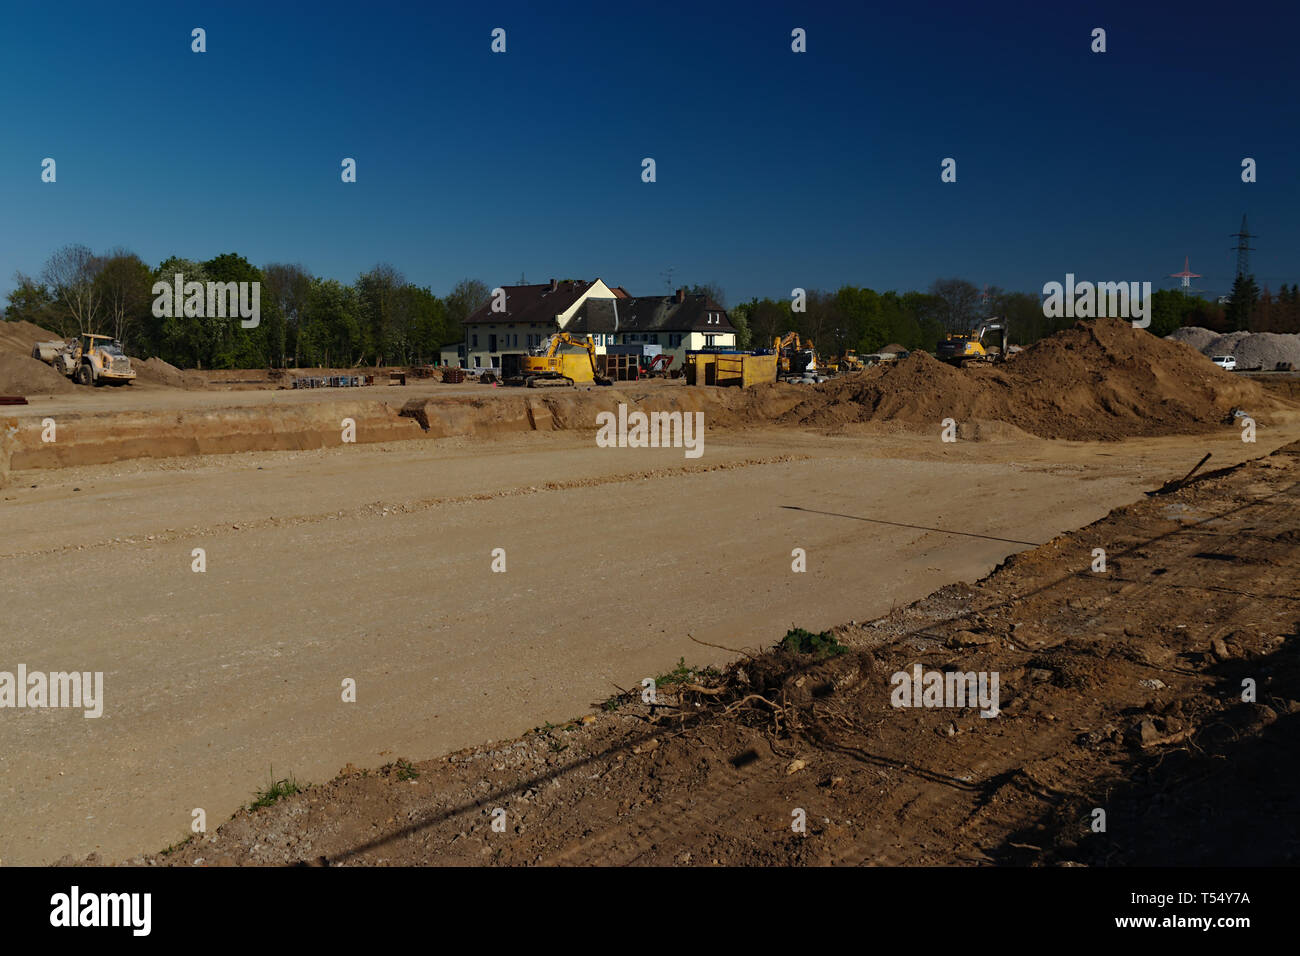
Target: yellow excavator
x: 795, y: 358
x: 963, y: 348
x: 551, y: 367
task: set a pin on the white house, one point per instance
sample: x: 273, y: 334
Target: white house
x: 677, y: 323
x: 531, y: 315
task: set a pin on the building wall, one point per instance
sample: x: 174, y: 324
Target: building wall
x: 480, y: 355
x: 516, y: 337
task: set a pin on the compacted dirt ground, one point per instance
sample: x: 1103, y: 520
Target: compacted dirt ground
x: 1148, y: 715
x: 375, y: 563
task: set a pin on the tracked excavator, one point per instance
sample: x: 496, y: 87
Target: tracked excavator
x: 548, y: 367
x: 987, y: 342
x: 797, y: 360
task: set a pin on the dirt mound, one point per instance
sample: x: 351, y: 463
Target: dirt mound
x: 19, y: 337
x: 24, y: 375
x: 157, y: 372
x: 1100, y: 380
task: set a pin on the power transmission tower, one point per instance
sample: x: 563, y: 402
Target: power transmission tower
x: 1243, y: 247
x: 667, y: 276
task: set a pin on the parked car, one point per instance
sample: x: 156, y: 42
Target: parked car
x: 1226, y: 362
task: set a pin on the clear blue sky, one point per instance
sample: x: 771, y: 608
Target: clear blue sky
x: 774, y: 169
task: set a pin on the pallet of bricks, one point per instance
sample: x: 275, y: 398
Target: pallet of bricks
x: 453, y: 375
x: 308, y: 382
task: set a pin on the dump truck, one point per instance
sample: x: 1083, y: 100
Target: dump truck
x: 963, y: 348
x: 90, y: 360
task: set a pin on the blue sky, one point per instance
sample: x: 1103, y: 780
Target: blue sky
x: 775, y: 169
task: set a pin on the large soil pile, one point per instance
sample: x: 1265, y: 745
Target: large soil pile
x: 1100, y: 380
x: 19, y: 337
x: 157, y: 372
x: 24, y: 375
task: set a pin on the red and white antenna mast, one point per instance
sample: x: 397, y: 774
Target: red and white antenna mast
x: 1186, y: 275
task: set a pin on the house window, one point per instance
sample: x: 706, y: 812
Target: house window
x: 708, y: 341
x: 474, y: 341
x: 478, y: 361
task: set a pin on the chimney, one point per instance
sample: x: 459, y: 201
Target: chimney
x: 554, y: 285
x: 681, y: 294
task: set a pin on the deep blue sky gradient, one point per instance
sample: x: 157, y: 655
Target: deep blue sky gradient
x: 774, y: 169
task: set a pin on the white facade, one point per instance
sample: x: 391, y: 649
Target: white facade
x: 486, y: 341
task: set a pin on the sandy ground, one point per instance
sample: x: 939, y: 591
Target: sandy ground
x: 374, y: 563
x: 1146, y: 715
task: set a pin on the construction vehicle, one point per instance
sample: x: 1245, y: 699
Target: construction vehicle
x: 850, y: 361
x: 796, y: 360
x: 548, y: 366
x: 977, y: 345
x: 657, y: 366
x: 90, y: 360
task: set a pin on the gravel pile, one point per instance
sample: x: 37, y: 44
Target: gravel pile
x: 1195, y: 336
x: 1251, y: 349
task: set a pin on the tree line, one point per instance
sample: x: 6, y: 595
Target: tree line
x: 866, y: 320
x: 382, y: 319
x: 306, y: 320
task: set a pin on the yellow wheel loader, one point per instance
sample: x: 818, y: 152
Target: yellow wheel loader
x: 92, y: 360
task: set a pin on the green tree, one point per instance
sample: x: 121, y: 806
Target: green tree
x: 70, y: 275
x: 31, y: 301
x: 287, y: 286
x: 958, y: 303
x: 123, y: 285
x: 230, y: 344
x: 332, y: 327
x: 387, y: 328
x: 428, y: 323
x: 179, y: 340
x: 1245, y: 296
x: 712, y: 290
x: 467, y: 296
